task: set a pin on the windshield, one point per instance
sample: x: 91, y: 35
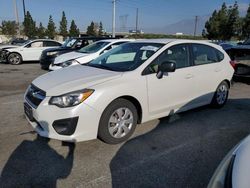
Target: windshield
x: 92, y: 48
x: 69, y: 43
x: 126, y: 57
x: 23, y: 44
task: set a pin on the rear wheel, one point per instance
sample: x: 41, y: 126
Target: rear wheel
x: 118, y: 122
x: 221, y: 95
x: 15, y: 59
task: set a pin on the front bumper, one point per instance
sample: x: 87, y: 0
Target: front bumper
x: 3, y: 55
x: 46, y: 116
x: 45, y: 62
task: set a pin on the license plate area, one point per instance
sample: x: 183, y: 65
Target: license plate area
x: 28, y: 111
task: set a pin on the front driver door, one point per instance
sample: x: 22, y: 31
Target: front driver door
x: 176, y: 90
x: 33, y: 51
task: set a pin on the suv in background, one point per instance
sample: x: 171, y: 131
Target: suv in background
x: 48, y: 56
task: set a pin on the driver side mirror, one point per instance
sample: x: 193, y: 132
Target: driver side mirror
x: 165, y: 67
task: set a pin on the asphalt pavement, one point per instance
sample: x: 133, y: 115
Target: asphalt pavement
x: 178, y: 151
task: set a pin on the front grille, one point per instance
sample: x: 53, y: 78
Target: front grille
x: 35, y: 96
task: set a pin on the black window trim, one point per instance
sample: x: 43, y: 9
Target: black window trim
x: 190, y: 62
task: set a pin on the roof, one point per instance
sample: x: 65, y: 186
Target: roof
x: 116, y: 40
x: 165, y: 41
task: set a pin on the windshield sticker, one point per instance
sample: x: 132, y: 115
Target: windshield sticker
x: 149, y: 48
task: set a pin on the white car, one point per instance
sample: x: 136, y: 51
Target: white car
x: 131, y: 84
x: 28, y: 51
x: 86, y: 54
x: 233, y: 171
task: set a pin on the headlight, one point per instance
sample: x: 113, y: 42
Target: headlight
x: 51, y: 53
x: 71, y: 99
x: 68, y: 63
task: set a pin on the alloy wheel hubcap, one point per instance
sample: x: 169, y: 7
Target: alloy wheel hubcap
x: 15, y: 59
x: 221, y: 94
x: 120, y: 122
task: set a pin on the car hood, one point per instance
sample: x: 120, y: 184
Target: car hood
x: 72, y: 79
x: 58, y: 49
x: 68, y: 56
x: 8, y: 46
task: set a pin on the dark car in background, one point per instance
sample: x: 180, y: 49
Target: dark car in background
x: 241, y: 51
x: 48, y: 56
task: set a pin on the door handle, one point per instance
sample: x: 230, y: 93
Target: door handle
x: 188, y: 76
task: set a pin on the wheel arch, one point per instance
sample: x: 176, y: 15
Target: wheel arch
x: 228, y: 82
x: 15, y: 52
x: 136, y: 103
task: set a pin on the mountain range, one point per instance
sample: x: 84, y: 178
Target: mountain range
x: 185, y: 26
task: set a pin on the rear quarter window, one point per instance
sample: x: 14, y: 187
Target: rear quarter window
x: 204, y: 54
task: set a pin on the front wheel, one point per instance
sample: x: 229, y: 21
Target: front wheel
x: 117, y: 122
x: 221, y: 95
x: 15, y: 59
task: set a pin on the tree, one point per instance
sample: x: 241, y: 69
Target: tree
x: 212, y: 26
x: 224, y: 24
x: 100, y: 32
x: 51, y: 28
x: 41, y: 31
x: 73, y: 31
x: 9, y: 28
x: 246, y: 24
x: 29, y: 26
x: 63, y: 26
x: 233, y: 23
x: 222, y: 21
x: 91, y: 29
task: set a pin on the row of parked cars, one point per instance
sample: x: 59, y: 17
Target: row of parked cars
x: 54, y: 55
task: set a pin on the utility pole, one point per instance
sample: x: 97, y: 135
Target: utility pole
x: 24, y: 11
x: 195, y: 25
x: 17, y: 18
x: 113, y: 20
x: 136, y: 26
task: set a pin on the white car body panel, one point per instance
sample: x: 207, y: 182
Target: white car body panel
x: 239, y: 170
x: 149, y: 91
x: 68, y: 56
x: 240, y: 174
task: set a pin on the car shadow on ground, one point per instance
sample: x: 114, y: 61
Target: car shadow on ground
x: 183, y: 150
x: 36, y: 164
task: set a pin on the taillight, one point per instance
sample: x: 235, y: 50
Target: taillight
x: 233, y: 64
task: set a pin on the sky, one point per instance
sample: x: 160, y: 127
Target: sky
x: 152, y: 13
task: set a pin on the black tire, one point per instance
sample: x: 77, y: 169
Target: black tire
x: 15, y: 59
x: 220, y: 99
x: 103, y: 131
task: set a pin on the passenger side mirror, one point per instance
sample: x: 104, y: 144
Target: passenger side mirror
x: 165, y: 67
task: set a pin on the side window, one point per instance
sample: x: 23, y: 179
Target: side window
x: 50, y: 43
x: 204, y: 54
x: 220, y: 55
x: 35, y: 44
x: 178, y: 54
